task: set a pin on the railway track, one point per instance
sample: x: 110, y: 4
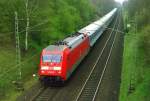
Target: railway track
x: 92, y: 83
x: 45, y: 94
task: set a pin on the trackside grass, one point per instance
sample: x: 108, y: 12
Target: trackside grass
x: 9, y: 73
x: 135, y: 80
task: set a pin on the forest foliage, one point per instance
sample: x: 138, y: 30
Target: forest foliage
x: 49, y: 19
x: 136, y: 64
x: 139, y: 10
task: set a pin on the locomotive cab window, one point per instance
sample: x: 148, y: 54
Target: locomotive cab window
x: 52, y: 58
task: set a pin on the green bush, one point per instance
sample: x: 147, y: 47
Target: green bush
x: 136, y: 66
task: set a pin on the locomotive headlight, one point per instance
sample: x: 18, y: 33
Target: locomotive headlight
x: 57, y: 68
x: 44, y: 68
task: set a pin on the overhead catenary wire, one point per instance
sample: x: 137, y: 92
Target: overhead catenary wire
x: 33, y: 9
x: 106, y: 28
x: 30, y: 29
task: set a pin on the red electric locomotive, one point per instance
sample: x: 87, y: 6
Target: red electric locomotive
x: 58, y: 61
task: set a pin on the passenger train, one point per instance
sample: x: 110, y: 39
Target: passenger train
x: 59, y: 60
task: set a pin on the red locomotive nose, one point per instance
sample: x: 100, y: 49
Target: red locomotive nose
x: 51, y: 64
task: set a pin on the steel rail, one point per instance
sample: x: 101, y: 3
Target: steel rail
x: 40, y: 91
x: 83, y: 87
x: 43, y: 96
x: 103, y: 72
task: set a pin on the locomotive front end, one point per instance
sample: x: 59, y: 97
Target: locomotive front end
x: 51, y: 65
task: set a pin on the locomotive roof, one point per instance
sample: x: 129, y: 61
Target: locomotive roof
x: 55, y: 47
x: 73, y: 40
x: 70, y: 42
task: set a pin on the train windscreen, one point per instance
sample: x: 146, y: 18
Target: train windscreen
x: 52, y: 58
